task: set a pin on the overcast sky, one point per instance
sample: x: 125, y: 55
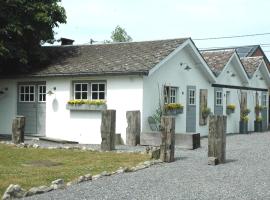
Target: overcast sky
x: 164, y: 19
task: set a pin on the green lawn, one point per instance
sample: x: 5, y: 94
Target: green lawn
x: 30, y: 167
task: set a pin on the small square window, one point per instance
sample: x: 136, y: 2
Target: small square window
x: 219, y: 98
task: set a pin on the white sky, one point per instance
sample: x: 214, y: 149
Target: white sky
x: 165, y: 19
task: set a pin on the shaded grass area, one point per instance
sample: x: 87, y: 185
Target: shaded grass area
x: 30, y: 167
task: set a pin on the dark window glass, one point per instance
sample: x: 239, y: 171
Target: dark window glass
x: 31, y: 97
x: 40, y: 97
x: 77, y: 95
x: 26, y: 97
x: 94, y: 95
x: 22, y: 97
x: 101, y: 87
x: 84, y: 87
x: 78, y: 87
x: 84, y: 95
x: 94, y: 87
x: 44, y: 97
x: 27, y: 89
x: 101, y: 95
x: 31, y: 89
x: 22, y: 89
x: 40, y: 89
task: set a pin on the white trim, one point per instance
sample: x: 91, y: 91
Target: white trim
x: 74, y: 91
x: 192, y: 104
x: 219, y: 98
x: 105, y: 90
x: 43, y: 93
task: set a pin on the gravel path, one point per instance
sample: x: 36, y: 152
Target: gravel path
x: 246, y: 175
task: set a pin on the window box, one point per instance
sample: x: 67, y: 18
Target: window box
x: 86, y: 105
x: 173, y: 109
x: 230, y: 109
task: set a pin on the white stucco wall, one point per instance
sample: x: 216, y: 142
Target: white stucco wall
x: 124, y: 93
x: 171, y: 74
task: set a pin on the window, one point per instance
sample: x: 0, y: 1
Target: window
x: 219, y: 98
x: 27, y: 93
x: 80, y: 90
x: 170, y: 94
x: 98, y: 91
x: 228, y: 97
x: 264, y: 100
x: 42, y: 93
x: 191, y: 97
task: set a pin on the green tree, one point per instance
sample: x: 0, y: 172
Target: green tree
x: 24, y: 26
x: 120, y: 35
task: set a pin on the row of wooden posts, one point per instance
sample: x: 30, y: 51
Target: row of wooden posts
x: 216, y: 135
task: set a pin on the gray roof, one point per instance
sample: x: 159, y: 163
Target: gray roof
x: 217, y: 59
x: 117, y: 58
x: 246, y: 51
x: 251, y: 64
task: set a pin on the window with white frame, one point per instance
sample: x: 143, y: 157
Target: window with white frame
x: 219, y: 98
x: 191, y: 97
x: 41, y: 93
x: 80, y: 91
x: 97, y: 91
x: 27, y: 93
x: 170, y: 94
x: 264, y: 100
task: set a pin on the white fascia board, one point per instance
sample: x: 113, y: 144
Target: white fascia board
x: 241, y: 68
x: 206, y: 69
x: 178, y: 49
x: 265, y: 72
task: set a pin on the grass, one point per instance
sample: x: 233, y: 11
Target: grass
x: 30, y: 167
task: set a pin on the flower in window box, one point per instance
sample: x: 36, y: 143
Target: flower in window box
x: 86, y: 105
x: 230, y: 108
x: 206, y: 112
x: 173, y: 108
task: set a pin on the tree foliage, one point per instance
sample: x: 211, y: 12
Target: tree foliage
x: 120, y: 35
x: 24, y: 26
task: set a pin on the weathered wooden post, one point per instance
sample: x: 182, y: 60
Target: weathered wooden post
x: 18, y: 125
x: 134, y: 127
x: 217, y: 139
x: 167, y: 139
x: 108, y: 130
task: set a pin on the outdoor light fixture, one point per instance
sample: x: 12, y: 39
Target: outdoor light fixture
x: 233, y: 75
x: 3, y: 90
x: 261, y: 78
x: 187, y: 67
x: 50, y: 92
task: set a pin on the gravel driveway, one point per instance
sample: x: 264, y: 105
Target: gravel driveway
x: 246, y: 175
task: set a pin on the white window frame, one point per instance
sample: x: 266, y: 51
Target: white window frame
x: 24, y: 93
x: 264, y: 101
x: 173, y: 98
x: 105, y: 90
x: 191, y: 97
x: 41, y: 93
x: 219, y: 99
x: 81, y: 91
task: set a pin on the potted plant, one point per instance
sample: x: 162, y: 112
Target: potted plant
x: 230, y: 109
x: 258, y: 124
x: 173, y: 108
x: 243, y: 124
x: 93, y: 105
x: 258, y: 109
x: 206, y: 112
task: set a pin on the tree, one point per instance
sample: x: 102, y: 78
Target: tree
x: 120, y: 35
x: 24, y: 26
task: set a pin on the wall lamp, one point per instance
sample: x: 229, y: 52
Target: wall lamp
x: 50, y: 92
x: 3, y: 90
x: 185, y: 65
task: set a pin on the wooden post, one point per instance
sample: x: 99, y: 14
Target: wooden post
x: 108, y: 130
x: 167, y: 138
x: 18, y: 125
x: 217, y: 138
x: 134, y: 127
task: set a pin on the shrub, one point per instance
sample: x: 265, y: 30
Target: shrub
x: 173, y: 106
x: 90, y: 102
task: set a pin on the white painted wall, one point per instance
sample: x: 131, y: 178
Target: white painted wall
x: 124, y: 93
x: 170, y: 73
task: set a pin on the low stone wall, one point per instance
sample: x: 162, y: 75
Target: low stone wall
x: 182, y: 140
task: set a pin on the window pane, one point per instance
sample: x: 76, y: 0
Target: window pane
x: 22, y: 97
x: 101, y: 95
x: 26, y: 89
x: 26, y: 97
x: 44, y: 97
x: 84, y: 95
x: 31, y: 89
x: 77, y: 95
x: 40, y: 89
x: 31, y: 97
x: 94, y: 87
x: 101, y: 87
x: 40, y: 97
x: 84, y: 87
x: 22, y: 89
x: 77, y: 87
x: 94, y: 95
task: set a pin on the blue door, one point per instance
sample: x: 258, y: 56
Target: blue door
x: 191, y: 109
